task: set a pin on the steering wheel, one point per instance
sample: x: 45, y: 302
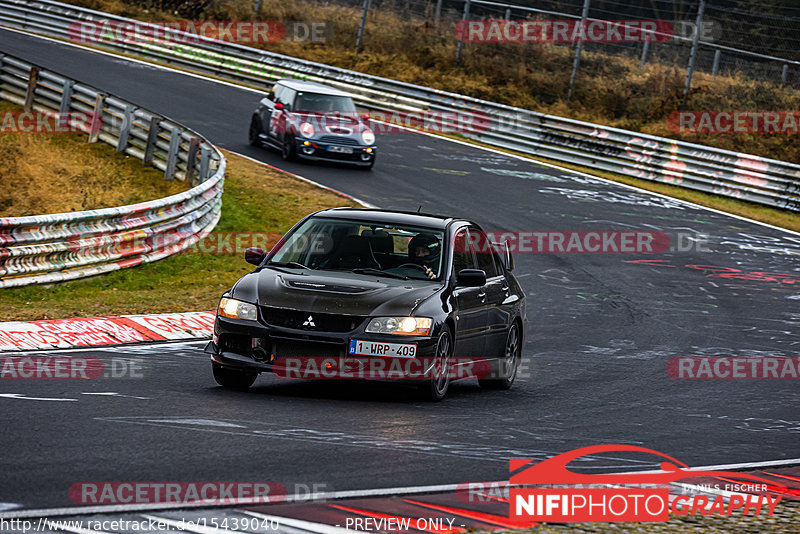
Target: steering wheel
x: 420, y: 267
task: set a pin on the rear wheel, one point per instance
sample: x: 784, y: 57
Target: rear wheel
x: 504, y: 371
x: 439, y: 381
x: 233, y: 378
x: 253, y: 133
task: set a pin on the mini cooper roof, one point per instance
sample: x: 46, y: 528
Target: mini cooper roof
x: 411, y: 218
x: 311, y: 87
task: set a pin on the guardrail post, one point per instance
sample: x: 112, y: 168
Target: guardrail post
x: 715, y: 66
x: 437, y: 13
x: 97, y: 117
x: 693, y: 55
x: 33, y: 79
x: 360, y: 35
x: 785, y: 74
x: 172, y: 154
x: 66, y: 101
x: 576, y: 63
x: 125, y: 129
x: 152, y: 137
x: 508, y: 13
x: 191, y: 160
x: 645, y: 50
x: 464, y: 18
x: 1, y: 68
x: 258, y: 6
x: 205, y: 163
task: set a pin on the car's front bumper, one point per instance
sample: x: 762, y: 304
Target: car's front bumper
x: 295, y: 353
x: 318, y: 151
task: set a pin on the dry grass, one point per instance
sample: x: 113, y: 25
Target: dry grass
x: 57, y: 173
x: 256, y: 199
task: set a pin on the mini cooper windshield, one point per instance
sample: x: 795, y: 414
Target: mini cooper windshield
x: 363, y: 247
x: 317, y: 102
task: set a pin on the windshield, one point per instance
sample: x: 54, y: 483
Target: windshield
x: 323, y: 103
x: 346, y: 245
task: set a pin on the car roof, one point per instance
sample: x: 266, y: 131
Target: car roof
x: 389, y: 217
x: 312, y: 87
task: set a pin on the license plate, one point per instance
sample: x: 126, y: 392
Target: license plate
x: 340, y: 149
x: 378, y: 348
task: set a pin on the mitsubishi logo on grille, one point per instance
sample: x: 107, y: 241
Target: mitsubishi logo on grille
x: 309, y: 322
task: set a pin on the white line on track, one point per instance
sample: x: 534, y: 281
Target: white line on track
x: 319, y: 528
x: 303, y: 178
x: 461, y: 142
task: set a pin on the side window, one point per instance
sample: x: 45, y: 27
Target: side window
x: 483, y: 252
x: 287, y: 98
x: 462, y: 252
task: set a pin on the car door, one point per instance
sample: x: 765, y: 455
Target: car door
x: 277, y: 123
x: 498, y: 316
x: 471, y: 314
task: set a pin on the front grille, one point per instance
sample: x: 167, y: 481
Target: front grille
x: 306, y: 349
x: 323, y: 322
x: 339, y: 140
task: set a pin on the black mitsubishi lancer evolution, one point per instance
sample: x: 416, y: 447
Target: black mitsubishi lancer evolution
x: 372, y: 294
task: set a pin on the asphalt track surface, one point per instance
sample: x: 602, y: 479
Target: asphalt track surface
x: 600, y: 333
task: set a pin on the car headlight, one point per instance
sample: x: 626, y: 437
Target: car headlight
x: 306, y: 129
x: 408, y: 326
x: 236, y: 309
x: 368, y: 137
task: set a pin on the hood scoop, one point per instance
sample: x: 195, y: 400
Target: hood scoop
x: 331, y: 287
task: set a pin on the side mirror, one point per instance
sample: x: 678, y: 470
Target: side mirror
x: 271, y: 96
x: 279, y: 106
x: 255, y: 255
x: 470, y: 278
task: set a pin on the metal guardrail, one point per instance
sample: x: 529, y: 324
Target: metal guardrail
x: 723, y: 172
x: 66, y: 246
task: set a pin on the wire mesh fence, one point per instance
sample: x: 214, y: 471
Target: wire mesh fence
x: 757, y: 39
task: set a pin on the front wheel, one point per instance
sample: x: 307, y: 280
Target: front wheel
x: 288, y: 150
x: 232, y: 378
x: 253, y: 133
x: 439, y: 381
x: 504, y: 371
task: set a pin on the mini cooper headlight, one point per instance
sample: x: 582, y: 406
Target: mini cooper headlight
x: 368, y: 137
x: 407, y: 326
x: 306, y: 129
x: 236, y: 309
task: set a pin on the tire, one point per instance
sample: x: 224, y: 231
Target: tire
x: 503, y: 372
x: 232, y: 378
x: 253, y: 132
x: 288, y: 150
x: 438, y: 384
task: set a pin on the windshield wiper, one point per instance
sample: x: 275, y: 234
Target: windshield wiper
x: 293, y: 264
x: 370, y: 270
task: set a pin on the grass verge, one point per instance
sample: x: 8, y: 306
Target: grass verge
x: 256, y: 199
x: 58, y: 173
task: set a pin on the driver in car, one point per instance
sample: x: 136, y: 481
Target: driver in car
x: 424, y: 250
